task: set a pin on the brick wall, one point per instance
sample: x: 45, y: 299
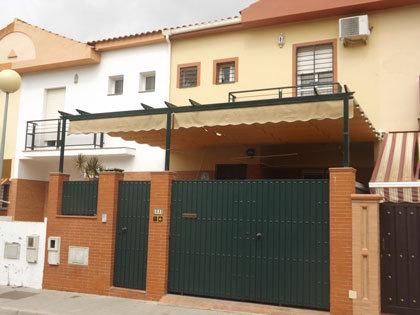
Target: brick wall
x: 27, y: 200
x: 90, y: 232
x: 342, y: 186
x: 83, y: 231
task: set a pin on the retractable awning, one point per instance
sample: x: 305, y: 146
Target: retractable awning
x: 288, y: 118
x: 310, y: 122
x: 395, y: 176
x: 211, y: 118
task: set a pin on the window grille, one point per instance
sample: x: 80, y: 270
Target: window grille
x: 314, y: 68
x: 226, y: 72
x: 188, y: 77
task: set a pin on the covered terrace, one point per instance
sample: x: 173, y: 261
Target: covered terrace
x: 284, y: 132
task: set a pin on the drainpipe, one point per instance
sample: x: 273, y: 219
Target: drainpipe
x: 169, y: 114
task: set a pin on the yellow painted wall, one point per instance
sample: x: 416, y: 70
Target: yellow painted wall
x: 384, y: 74
x: 11, y: 123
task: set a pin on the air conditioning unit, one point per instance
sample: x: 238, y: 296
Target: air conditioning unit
x: 354, y: 29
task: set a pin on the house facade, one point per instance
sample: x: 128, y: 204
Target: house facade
x: 121, y: 74
x: 275, y: 120
x: 267, y: 50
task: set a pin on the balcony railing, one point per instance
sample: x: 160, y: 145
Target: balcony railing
x: 317, y: 88
x: 46, y: 135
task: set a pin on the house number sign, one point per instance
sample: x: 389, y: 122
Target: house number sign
x: 157, y: 215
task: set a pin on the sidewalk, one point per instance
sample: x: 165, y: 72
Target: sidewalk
x: 23, y: 301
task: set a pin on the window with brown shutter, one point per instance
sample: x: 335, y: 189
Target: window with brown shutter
x: 315, y: 68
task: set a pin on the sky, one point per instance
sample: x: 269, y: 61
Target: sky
x: 86, y: 20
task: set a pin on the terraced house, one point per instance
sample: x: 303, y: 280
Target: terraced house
x: 60, y: 74
x: 288, y: 162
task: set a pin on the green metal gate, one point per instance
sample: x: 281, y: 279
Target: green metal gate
x: 132, y: 235
x: 263, y: 241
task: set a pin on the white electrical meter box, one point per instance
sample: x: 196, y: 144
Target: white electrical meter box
x: 54, y: 244
x: 11, y: 250
x: 32, y: 243
x: 78, y: 255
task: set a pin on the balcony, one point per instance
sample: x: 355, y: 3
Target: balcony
x: 46, y: 135
x: 313, y: 89
x: 43, y: 138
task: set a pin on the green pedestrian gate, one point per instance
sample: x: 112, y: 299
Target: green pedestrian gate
x: 132, y: 235
x: 263, y: 241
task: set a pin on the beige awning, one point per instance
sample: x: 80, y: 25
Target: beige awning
x: 222, y: 117
x: 119, y: 124
x: 261, y: 115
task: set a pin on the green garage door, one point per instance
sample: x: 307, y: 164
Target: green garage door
x: 263, y: 241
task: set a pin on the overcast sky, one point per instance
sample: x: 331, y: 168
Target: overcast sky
x: 86, y: 20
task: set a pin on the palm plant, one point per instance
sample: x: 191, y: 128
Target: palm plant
x: 89, y: 167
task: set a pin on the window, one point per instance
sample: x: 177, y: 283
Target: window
x: 189, y: 75
x: 147, y: 81
x: 315, y: 68
x: 116, y: 85
x: 225, y: 71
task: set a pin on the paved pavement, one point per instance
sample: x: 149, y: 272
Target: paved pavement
x: 23, y: 301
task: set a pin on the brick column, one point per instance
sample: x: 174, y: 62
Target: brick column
x: 107, y: 204
x: 55, y: 192
x: 342, y: 186
x: 158, y: 243
x: 366, y: 251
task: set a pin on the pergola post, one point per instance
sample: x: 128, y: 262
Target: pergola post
x: 346, y: 131
x: 168, y: 140
x: 62, y: 145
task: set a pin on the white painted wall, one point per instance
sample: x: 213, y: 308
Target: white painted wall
x: 18, y: 272
x: 91, y: 94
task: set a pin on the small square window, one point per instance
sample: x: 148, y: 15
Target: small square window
x: 226, y: 72
x: 189, y: 76
x: 147, y: 81
x: 116, y: 85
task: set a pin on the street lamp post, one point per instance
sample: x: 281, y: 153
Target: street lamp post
x: 9, y: 83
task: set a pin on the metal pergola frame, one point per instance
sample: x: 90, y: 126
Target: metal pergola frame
x: 344, y: 96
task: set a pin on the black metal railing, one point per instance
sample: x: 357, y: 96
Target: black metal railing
x: 46, y: 135
x: 318, y: 88
x: 80, y: 198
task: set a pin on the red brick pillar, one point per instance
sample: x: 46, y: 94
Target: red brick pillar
x: 158, y: 243
x: 107, y: 204
x: 342, y: 186
x: 55, y: 192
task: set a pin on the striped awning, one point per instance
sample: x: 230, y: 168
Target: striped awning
x: 395, y: 176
